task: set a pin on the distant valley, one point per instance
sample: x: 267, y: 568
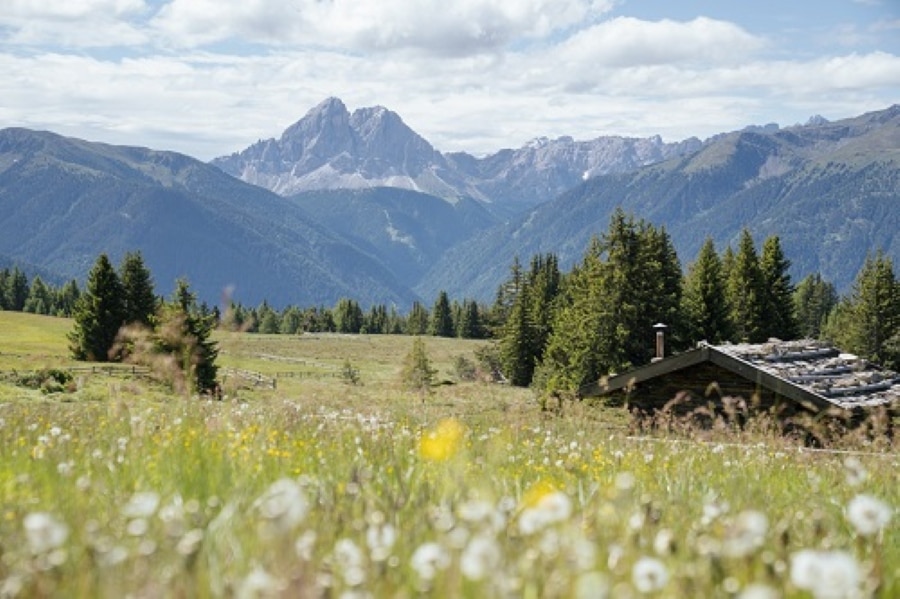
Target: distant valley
x: 358, y: 205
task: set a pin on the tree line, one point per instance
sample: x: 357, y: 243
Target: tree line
x: 18, y: 294
x: 555, y: 330
x: 561, y: 331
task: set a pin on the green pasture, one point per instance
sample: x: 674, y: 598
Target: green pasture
x: 117, y: 487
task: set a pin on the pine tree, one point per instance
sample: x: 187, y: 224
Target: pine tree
x: 348, y: 316
x: 704, y: 304
x: 40, y: 298
x: 746, y: 296
x: 469, y: 323
x: 867, y: 322
x: 628, y: 280
x: 441, y: 319
x: 67, y: 298
x: 99, y: 314
x: 779, y: 319
x: 417, y: 374
x: 417, y: 320
x: 139, y: 298
x: 516, y: 355
x: 16, y: 290
x: 814, y: 300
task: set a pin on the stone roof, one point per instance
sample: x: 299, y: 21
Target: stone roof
x: 843, y: 379
x: 809, y: 372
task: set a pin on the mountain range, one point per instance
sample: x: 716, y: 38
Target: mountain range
x: 359, y: 205
x: 330, y: 148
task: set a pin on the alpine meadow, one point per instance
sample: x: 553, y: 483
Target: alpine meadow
x: 344, y: 364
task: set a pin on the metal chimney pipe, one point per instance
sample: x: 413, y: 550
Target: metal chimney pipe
x: 660, y: 341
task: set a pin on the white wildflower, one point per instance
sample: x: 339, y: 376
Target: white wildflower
x: 137, y: 527
x: 381, y: 539
x: 649, y: 575
x: 746, y: 534
x: 549, y: 509
x: 141, y: 505
x: 44, y: 532
x: 350, y: 561
x: 428, y: 559
x: 855, y: 471
x: 283, y: 506
x: 826, y: 574
x: 592, y: 585
x: 664, y: 542
x: 868, y: 515
x: 480, y: 558
x: 190, y: 543
x: 260, y: 583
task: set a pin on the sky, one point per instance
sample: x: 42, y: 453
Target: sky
x: 210, y: 77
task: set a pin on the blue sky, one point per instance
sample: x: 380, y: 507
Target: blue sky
x: 209, y: 77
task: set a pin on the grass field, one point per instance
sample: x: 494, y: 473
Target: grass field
x: 116, y: 487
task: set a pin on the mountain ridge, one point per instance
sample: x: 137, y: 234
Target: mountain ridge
x: 506, y: 181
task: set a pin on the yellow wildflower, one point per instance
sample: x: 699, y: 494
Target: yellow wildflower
x: 442, y: 442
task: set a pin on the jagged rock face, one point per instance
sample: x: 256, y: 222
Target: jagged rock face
x: 331, y: 149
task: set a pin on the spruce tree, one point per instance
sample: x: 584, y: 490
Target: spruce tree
x: 867, y: 322
x: 16, y: 290
x: 441, y: 318
x: 99, y: 314
x: 417, y: 320
x: 516, y: 355
x: 704, y: 302
x: 40, y: 299
x: 66, y: 298
x: 746, y: 296
x: 139, y: 298
x: 348, y: 316
x: 779, y: 319
x: 469, y: 324
x: 417, y: 374
x: 814, y: 299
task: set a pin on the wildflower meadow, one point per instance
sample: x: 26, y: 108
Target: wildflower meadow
x: 322, y: 488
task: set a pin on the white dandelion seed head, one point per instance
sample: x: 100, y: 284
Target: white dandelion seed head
x: 664, y: 542
x: 550, y: 509
x: 746, y: 534
x: 826, y: 574
x: 259, y: 583
x: 592, y: 585
x: 480, y: 558
x: 855, y: 471
x: 44, y: 532
x: 189, y: 544
x: 429, y: 559
x: 868, y: 515
x: 305, y: 545
x: 350, y: 562
x: 141, y: 505
x: 649, y: 575
x: 137, y: 527
x: 381, y: 539
x: 282, y: 506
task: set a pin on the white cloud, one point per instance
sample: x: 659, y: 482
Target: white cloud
x: 73, y: 23
x: 435, y: 26
x: 626, y: 41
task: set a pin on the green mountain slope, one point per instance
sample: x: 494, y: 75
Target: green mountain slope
x: 830, y: 191
x: 63, y: 201
x: 406, y: 231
